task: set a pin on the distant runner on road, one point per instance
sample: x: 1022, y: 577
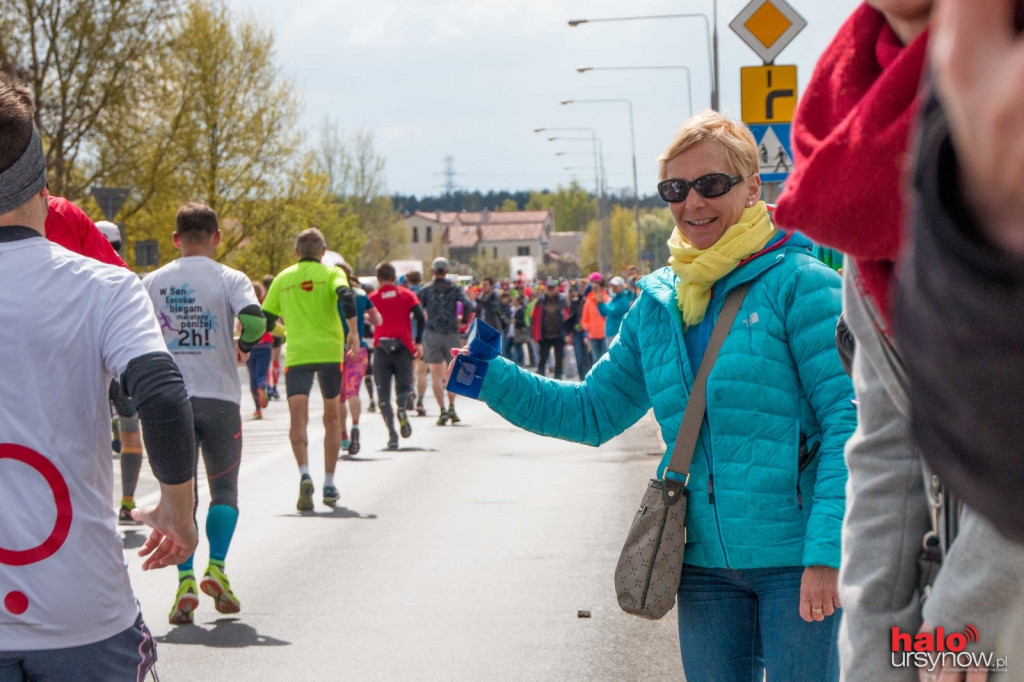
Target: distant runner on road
x: 440, y: 300
x: 395, y: 348
x: 414, y: 282
x: 202, y: 297
x: 306, y: 295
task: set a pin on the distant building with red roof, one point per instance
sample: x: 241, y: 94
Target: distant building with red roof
x: 462, y: 236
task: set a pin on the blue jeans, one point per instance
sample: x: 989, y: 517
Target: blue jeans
x: 583, y: 359
x: 736, y: 624
x: 515, y: 353
x: 598, y: 347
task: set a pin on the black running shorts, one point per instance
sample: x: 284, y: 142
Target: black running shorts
x: 299, y: 379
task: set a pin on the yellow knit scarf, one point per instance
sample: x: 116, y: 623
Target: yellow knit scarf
x: 698, y: 269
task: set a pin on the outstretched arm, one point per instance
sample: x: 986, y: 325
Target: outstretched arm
x: 611, y: 398
x: 158, y: 390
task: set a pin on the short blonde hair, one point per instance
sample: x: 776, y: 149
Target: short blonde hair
x: 735, y: 136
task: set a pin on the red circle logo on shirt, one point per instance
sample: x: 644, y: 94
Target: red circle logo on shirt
x: 61, y: 498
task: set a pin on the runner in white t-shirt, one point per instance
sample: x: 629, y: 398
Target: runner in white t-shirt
x: 196, y: 300
x: 66, y: 605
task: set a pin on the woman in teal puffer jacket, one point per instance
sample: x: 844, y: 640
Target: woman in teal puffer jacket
x: 758, y: 589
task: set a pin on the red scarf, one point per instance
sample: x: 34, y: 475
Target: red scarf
x: 851, y: 134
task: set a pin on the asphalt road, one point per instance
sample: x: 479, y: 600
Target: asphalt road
x: 466, y: 555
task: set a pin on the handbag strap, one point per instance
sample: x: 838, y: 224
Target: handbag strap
x: 689, y: 430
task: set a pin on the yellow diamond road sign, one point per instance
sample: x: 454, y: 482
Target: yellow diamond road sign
x: 767, y: 26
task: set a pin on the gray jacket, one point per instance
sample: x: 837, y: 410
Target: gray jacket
x: 982, y: 576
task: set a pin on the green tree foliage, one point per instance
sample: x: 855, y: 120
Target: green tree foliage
x: 623, y: 239
x: 574, y: 208
x: 181, y: 101
x: 460, y: 200
x: 384, y: 233
x: 655, y: 229
x: 307, y: 203
x: 85, y: 61
x: 588, y: 248
x: 509, y: 204
x: 225, y: 137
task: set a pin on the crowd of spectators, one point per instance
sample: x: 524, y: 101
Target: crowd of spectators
x: 564, y: 324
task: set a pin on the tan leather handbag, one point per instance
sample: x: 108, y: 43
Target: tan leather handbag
x: 651, y: 564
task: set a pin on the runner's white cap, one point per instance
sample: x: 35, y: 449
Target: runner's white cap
x: 333, y: 258
x: 109, y: 230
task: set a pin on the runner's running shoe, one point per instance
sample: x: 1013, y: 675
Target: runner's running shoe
x: 344, y: 440
x: 215, y: 583
x: 185, y: 602
x: 257, y: 414
x: 404, y: 425
x: 454, y: 418
x: 124, y: 516
x: 331, y: 495
x: 353, y: 445
x: 393, y: 441
x: 442, y: 418
x: 306, y: 489
x: 262, y: 393
x: 420, y: 410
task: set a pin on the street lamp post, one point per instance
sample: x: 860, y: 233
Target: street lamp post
x: 689, y: 79
x: 632, y: 142
x: 712, y: 36
x: 714, y: 48
x: 594, y: 141
x: 598, y: 183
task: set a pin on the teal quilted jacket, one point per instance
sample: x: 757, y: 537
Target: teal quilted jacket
x: 777, y: 381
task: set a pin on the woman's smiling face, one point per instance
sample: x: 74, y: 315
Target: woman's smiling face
x: 703, y: 221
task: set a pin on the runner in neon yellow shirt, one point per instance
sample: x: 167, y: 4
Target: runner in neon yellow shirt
x: 300, y: 294
x: 306, y: 295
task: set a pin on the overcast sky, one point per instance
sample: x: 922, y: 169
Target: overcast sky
x: 471, y: 79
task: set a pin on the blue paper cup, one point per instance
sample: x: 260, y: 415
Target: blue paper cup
x: 484, y: 341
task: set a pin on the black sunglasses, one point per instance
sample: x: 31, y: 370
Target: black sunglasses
x: 708, y: 186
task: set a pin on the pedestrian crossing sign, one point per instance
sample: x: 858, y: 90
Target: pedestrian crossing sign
x: 774, y: 151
